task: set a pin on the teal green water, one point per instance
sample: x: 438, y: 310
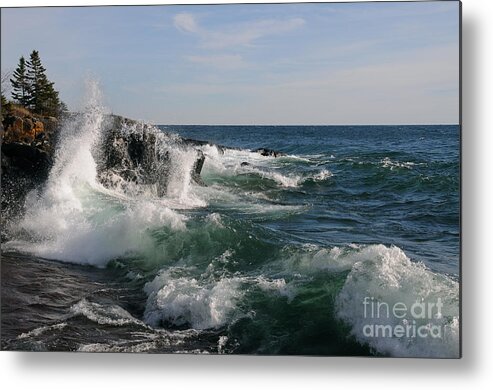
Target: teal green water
x: 272, y: 255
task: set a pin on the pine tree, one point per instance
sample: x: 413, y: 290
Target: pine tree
x: 38, y: 81
x: 50, y: 103
x: 21, y: 89
x: 44, y: 98
x: 33, y: 90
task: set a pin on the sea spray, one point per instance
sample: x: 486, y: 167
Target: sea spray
x: 73, y: 217
x: 399, y: 307
x: 257, y: 261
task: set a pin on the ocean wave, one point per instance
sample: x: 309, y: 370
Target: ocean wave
x: 204, y: 302
x: 41, y: 330
x: 104, y: 314
x: 232, y: 162
x: 96, y: 235
x: 157, y: 340
x: 388, y: 163
x: 386, y: 275
x: 135, y: 347
x: 184, y: 300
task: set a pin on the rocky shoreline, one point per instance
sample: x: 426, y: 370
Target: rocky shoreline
x: 30, y: 141
x: 28, y: 146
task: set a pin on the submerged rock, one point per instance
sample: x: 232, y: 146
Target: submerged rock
x: 268, y: 152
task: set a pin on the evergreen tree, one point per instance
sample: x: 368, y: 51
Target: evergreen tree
x: 21, y: 88
x: 33, y: 90
x: 44, y: 98
x: 38, y: 81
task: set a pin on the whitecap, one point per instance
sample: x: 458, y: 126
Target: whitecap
x: 185, y: 300
x: 383, y: 274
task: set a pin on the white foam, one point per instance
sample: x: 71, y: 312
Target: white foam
x: 388, y: 275
x: 323, y: 175
x: 185, y: 300
x: 104, y: 314
x: 388, y: 163
x: 148, y: 341
x: 229, y: 163
x: 119, y: 347
x: 180, y: 177
x: 385, y: 274
x: 95, y: 235
x: 313, y: 259
x: 215, y: 219
x: 76, y: 219
x: 43, y: 329
x: 278, y: 286
x: 205, y: 302
x: 221, y: 343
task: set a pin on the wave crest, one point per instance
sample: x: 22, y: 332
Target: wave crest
x: 387, y: 275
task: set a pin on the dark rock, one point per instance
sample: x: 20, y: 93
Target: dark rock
x: 197, y: 168
x: 24, y: 167
x: 194, y: 142
x: 244, y: 164
x: 137, y: 155
x: 28, y: 144
x: 34, y: 161
x: 268, y: 152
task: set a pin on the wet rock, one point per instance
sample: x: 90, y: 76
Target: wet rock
x: 131, y: 151
x: 34, y: 161
x: 268, y: 152
x: 24, y: 167
x: 194, y: 142
x: 197, y: 168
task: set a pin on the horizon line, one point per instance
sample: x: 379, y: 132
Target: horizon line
x: 306, y: 125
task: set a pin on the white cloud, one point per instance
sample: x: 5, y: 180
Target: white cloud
x: 242, y: 34
x: 245, y: 34
x: 419, y: 87
x: 186, y: 22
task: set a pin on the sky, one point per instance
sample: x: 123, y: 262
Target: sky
x: 326, y: 63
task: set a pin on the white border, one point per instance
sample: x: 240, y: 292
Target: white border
x: 145, y: 372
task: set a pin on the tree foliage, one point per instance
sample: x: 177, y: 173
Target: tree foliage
x: 32, y: 89
x: 21, y: 87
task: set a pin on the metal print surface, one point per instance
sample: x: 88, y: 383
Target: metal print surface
x: 277, y: 179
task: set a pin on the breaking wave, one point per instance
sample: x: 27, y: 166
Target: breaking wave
x: 204, y: 268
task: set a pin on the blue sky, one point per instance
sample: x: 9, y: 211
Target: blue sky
x: 366, y: 63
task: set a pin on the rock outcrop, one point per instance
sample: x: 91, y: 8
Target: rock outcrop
x: 21, y: 126
x: 268, y: 152
x: 32, y: 160
x: 129, y: 152
x: 28, y: 144
x: 137, y: 155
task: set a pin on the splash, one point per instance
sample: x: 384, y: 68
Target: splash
x: 386, y: 276
x: 74, y: 217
